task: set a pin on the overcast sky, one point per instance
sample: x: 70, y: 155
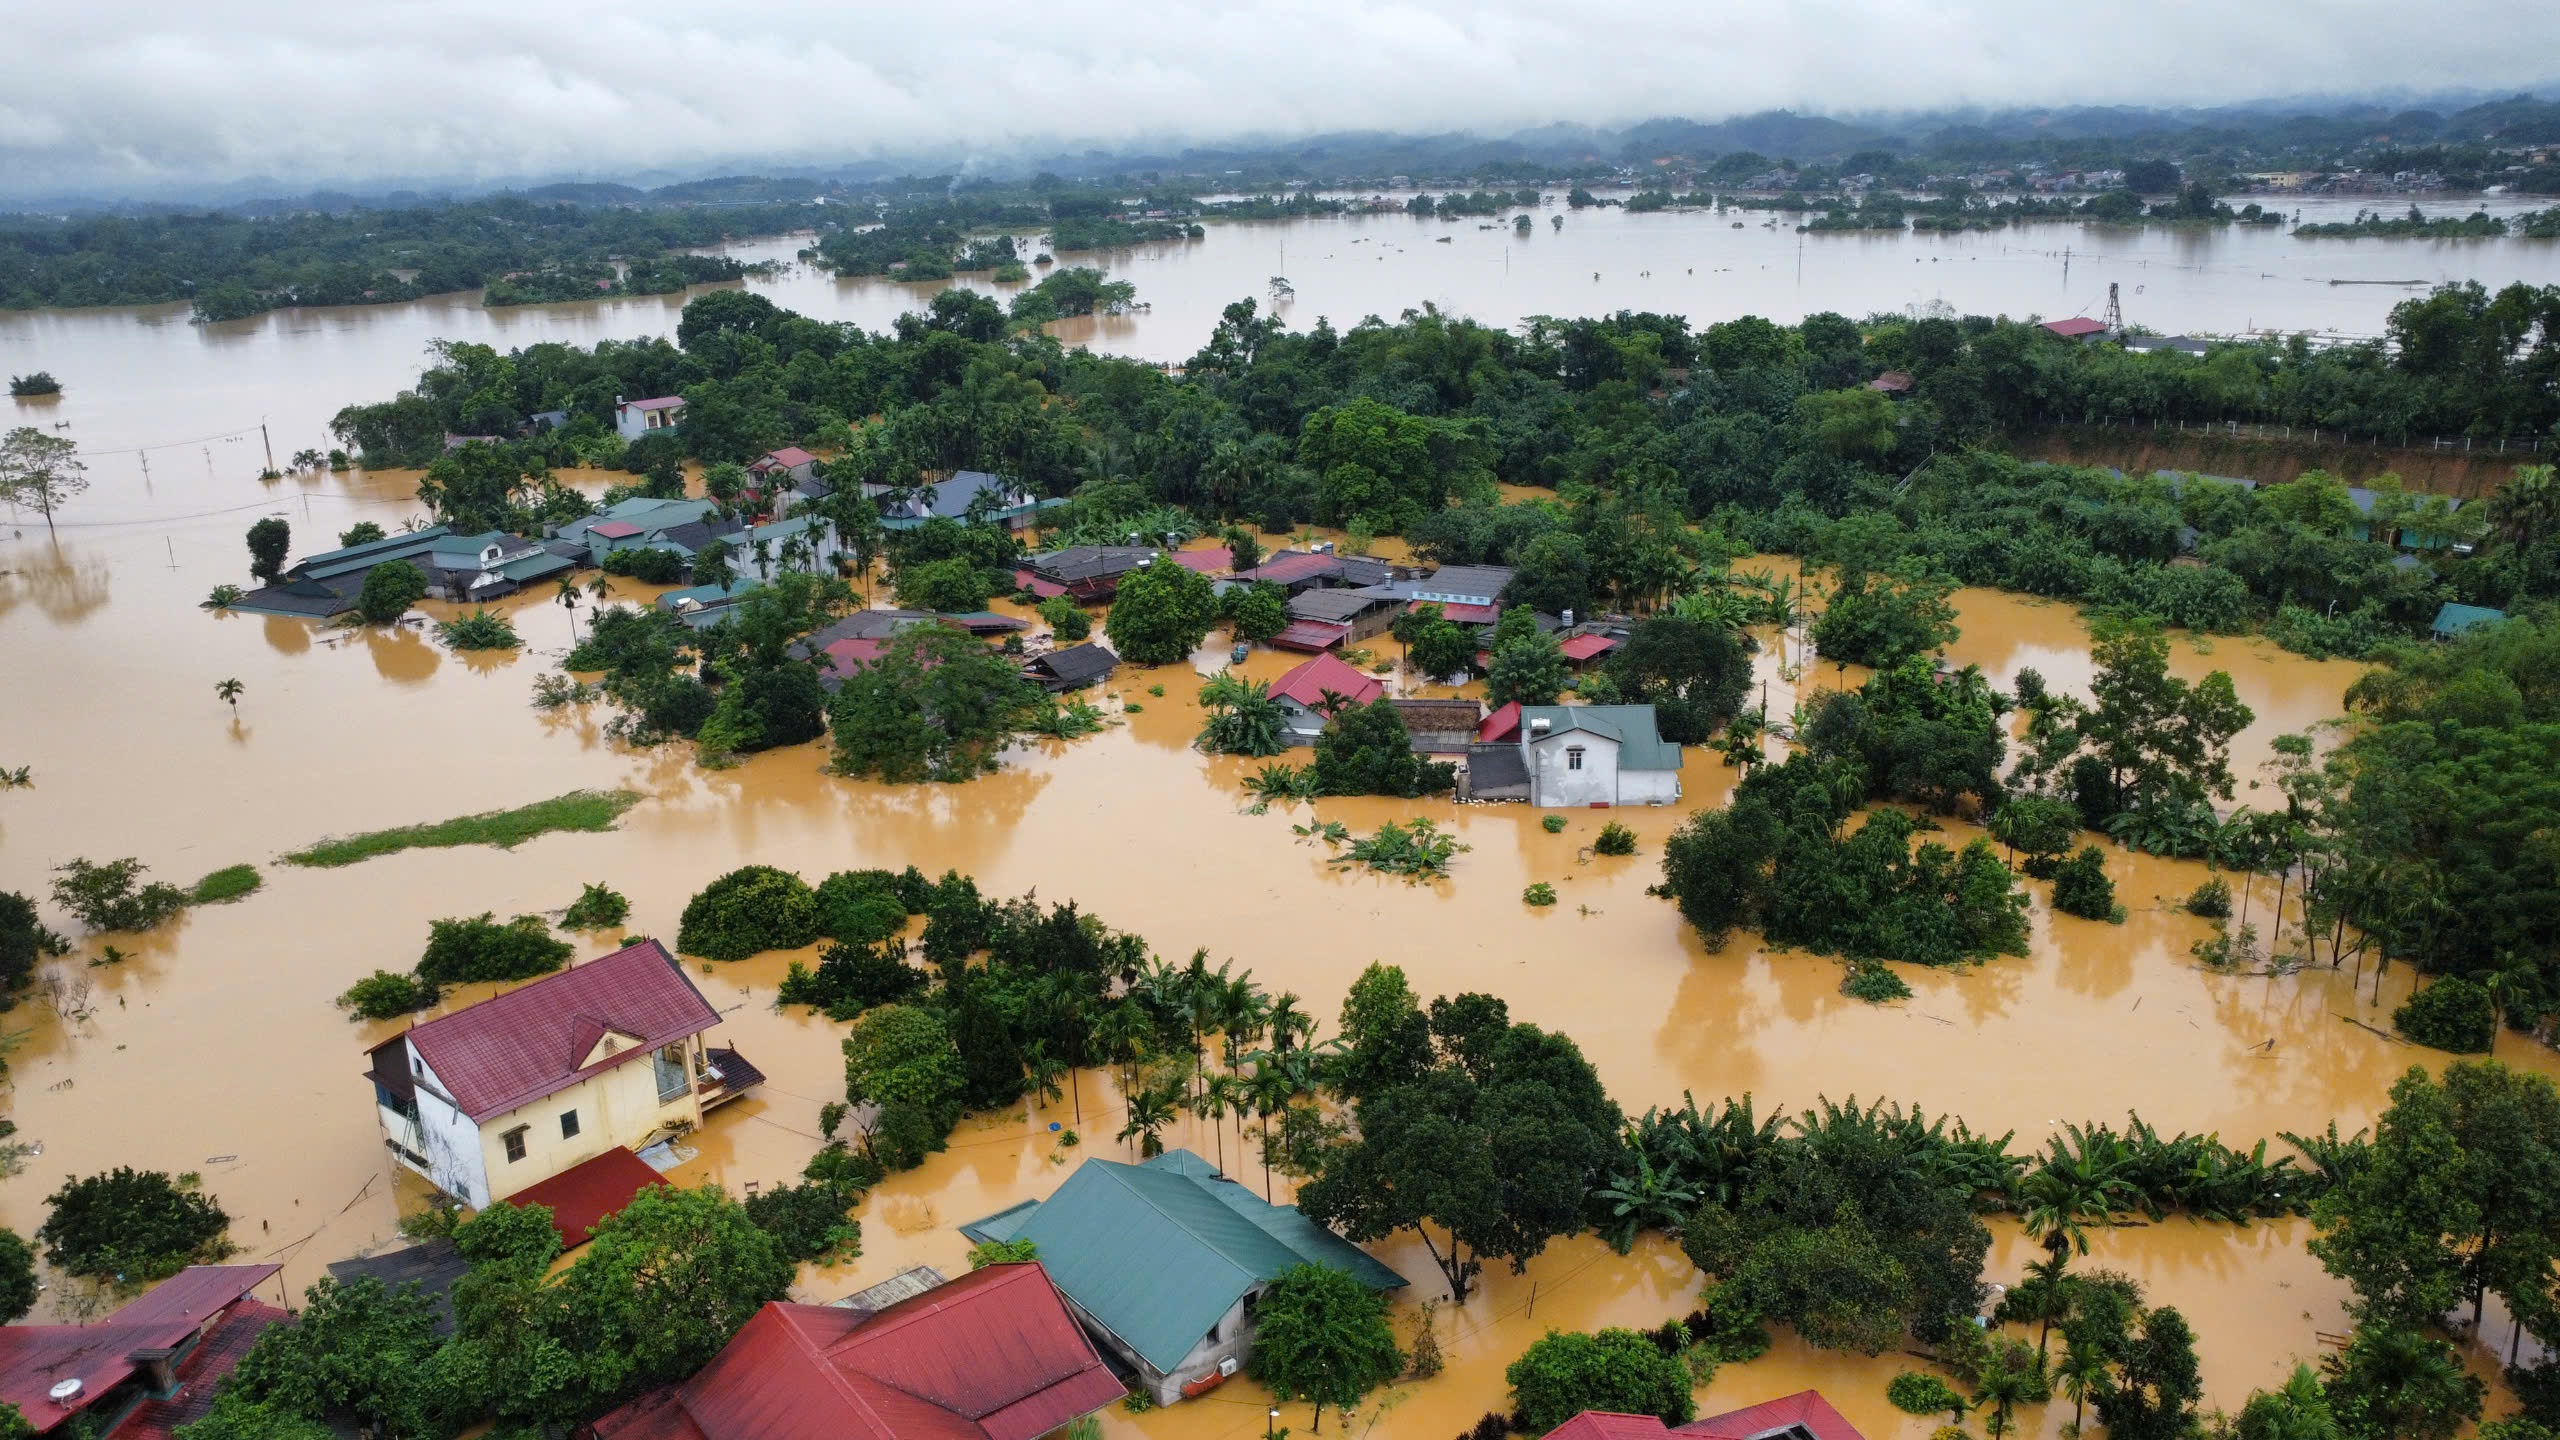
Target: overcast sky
x: 143, y: 93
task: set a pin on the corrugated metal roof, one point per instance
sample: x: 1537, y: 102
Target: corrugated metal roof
x: 581, y: 1196
x: 1804, y: 1412
x: 1308, y: 683
x: 2453, y: 619
x: 1639, y: 736
x: 1310, y: 635
x: 993, y: 1355
x: 35, y: 1358
x: 1156, y: 1253
x: 201, y: 1374
x: 1586, y: 647
x: 525, y: 1044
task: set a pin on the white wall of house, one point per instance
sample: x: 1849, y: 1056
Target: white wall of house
x: 1302, y: 724
x: 1572, y: 768
x: 452, y: 1142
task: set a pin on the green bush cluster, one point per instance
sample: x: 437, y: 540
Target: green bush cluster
x: 479, y: 948
x: 2451, y: 1013
x: 748, y: 911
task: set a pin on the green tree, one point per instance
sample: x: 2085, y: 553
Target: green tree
x: 1365, y: 750
x: 40, y: 471
x: 1439, y: 648
x: 2397, y: 1382
x: 1881, y: 619
x: 363, y: 532
x: 2296, y: 1410
x: 1564, y: 1373
x: 1243, y: 719
x: 359, y: 1352
x: 953, y: 586
x: 2157, y: 1382
x: 269, y: 541
x: 1161, y: 614
x: 1321, y: 1336
x: 390, y: 588
x: 903, y: 1054
x: 936, y: 705
x: 479, y: 949
x: 1693, y: 674
x: 1066, y: 618
x: 1529, y: 668
x: 1256, y: 612
x: 131, y: 1226
x: 2081, y: 887
x: 752, y: 909
x: 665, y: 1283
x: 2450, y: 1014
x: 18, y: 1287
x: 2390, y: 1230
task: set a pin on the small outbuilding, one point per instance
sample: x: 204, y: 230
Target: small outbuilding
x: 1073, y: 668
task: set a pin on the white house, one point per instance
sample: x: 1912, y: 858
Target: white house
x: 501, y: 1095
x: 633, y: 419
x: 1590, y: 755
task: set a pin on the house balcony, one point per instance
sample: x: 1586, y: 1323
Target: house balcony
x: 725, y: 1076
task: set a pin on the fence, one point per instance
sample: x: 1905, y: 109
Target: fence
x: 2442, y: 444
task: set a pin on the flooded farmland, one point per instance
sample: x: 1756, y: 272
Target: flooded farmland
x: 213, y: 1046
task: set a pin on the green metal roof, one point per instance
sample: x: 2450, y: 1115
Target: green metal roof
x: 1639, y: 736
x: 2453, y: 619
x: 1156, y: 1253
x: 371, y: 553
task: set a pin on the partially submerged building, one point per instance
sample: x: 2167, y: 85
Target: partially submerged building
x: 1163, y: 1262
x: 144, y: 1371
x: 1086, y: 574
x: 993, y: 1355
x: 1073, y: 668
x: 962, y: 494
x: 1577, y: 755
x: 638, y: 419
x: 1308, y: 696
x: 319, y: 586
x: 499, y: 1096
x: 1804, y: 1415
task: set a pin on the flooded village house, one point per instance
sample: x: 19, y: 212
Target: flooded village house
x: 144, y: 1371
x: 1574, y: 756
x: 634, y: 419
x: 1164, y: 1261
x: 496, y: 1097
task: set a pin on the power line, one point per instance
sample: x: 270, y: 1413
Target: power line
x: 169, y: 444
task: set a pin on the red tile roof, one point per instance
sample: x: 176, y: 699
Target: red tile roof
x: 1310, y: 635
x: 1502, y: 724
x: 528, y: 1043
x: 853, y: 655
x: 993, y: 1355
x: 1205, y: 562
x: 201, y: 1374
x: 2075, y: 327
x: 1584, y: 647
x: 581, y: 1196
x: 1891, y: 382
x: 662, y: 402
x: 35, y: 1358
x: 787, y: 456
x: 1285, y: 569
x: 614, y: 529
x: 1308, y: 682
x: 1806, y: 1409
x: 1024, y: 579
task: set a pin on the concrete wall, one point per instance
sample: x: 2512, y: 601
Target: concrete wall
x: 619, y: 1106
x: 1553, y: 782
x: 452, y: 1142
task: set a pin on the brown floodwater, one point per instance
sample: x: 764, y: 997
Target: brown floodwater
x: 212, y: 1046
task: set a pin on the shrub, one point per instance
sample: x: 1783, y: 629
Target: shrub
x: 1562, y: 1375
x: 1873, y: 981
x: 598, y: 907
x: 24, y: 939
x: 808, y: 1221
x: 859, y: 907
x: 1540, y: 894
x: 109, y: 897
x: 841, y: 1166
x: 131, y: 1226
x: 1066, y: 618
x: 1002, y: 1252
x: 387, y: 995
x: 905, y: 1135
x: 649, y: 564
x: 226, y: 884
x: 223, y: 597
x: 1553, y: 824
x: 2081, y: 887
x: 363, y: 532
x: 479, y: 630
x: 2212, y: 899
x: 852, y: 978
x: 2451, y: 1014
x: 389, y: 590
x: 1615, y: 839
x: 751, y: 909
x: 461, y: 951
x: 1915, y: 1393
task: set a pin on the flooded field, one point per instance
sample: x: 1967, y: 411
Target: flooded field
x: 213, y: 1045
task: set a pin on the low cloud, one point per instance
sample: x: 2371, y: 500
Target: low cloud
x: 143, y: 94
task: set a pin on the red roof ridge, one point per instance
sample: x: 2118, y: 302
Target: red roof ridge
x: 506, y: 1050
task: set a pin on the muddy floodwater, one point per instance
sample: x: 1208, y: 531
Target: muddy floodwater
x: 212, y: 1046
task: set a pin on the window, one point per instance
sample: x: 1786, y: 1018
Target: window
x: 515, y: 1144
x: 568, y: 1124
x: 1573, y: 757
x: 669, y: 1065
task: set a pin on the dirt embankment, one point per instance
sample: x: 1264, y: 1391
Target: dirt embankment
x: 2435, y: 472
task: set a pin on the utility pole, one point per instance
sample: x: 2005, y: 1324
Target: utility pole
x: 270, y: 444
x: 2115, y: 311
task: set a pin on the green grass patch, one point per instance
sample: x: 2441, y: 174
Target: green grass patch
x: 588, y: 810
x: 228, y: 883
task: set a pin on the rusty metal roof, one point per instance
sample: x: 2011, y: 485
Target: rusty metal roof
x: 581, y: 1196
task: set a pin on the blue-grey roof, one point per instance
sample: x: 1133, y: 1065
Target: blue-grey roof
x: 1156, y: 1253
x: 371, y: 553
x: 1639, y: 735
x: 2453, y: 619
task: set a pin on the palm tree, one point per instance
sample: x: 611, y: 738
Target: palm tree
x: 1149, y: 1112
x: 1269, y: 1089
x: 1218, y: 1095
x: 228, y: 691
x: 568, y: 598
x: 1288, y: 1025
x: 2084, y: 1376
x: 1124, y: 1032
x: 1043, y: 1072
x: 600, y: 589
x: 2071, y: 1190
x: 2002, y: 1386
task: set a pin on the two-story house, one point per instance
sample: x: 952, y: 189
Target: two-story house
x: 497, y: 1096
